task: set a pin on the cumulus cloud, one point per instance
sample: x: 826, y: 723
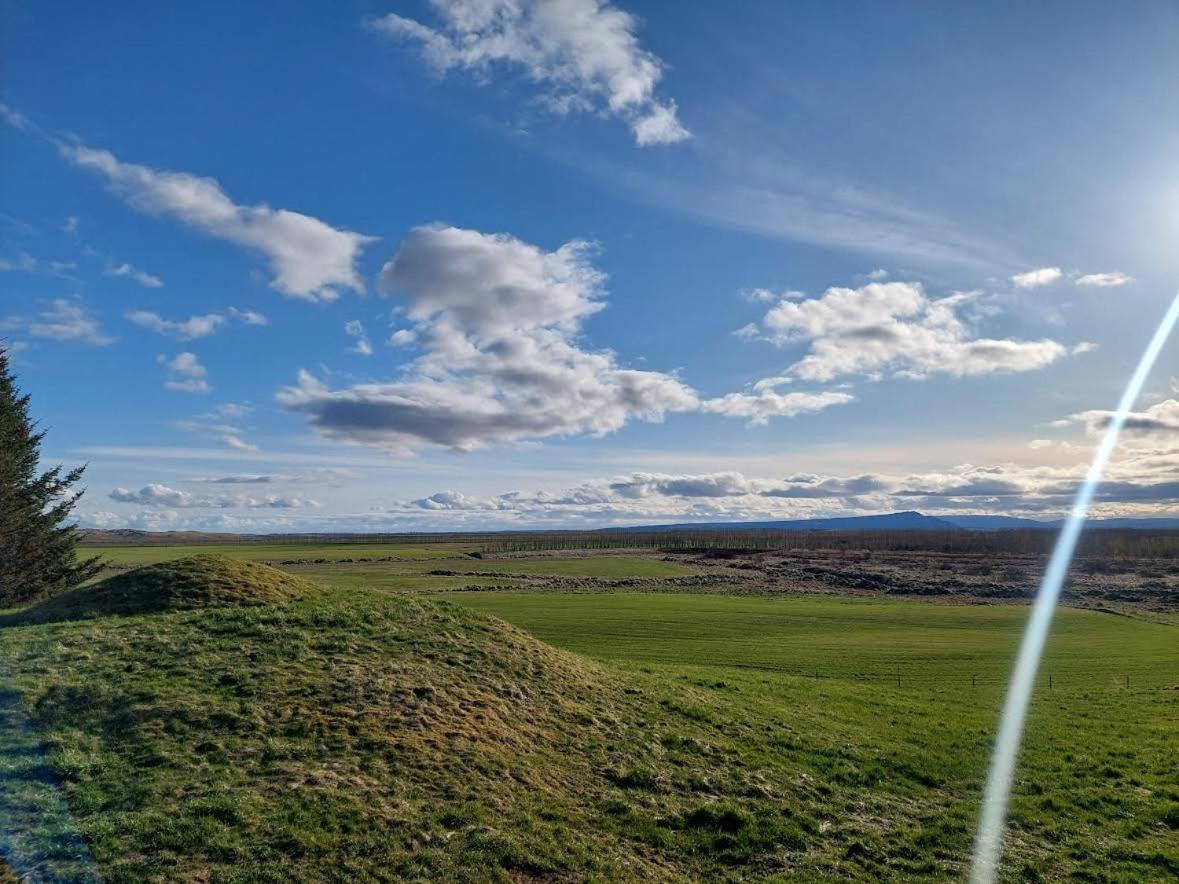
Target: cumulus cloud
x: 1036, y: 278
x: 893, y: 327
x: 497, y: 320
x: 454, y: 501
x: 145, y: 279
x: 310, y: 259
x: 63, y: 320
x: 583, y: 53
x: 1162, y: 418
x: 185, y: 373
x: 638, y: 485
x: 403, y: 337
x: 804, y: 486
x: 1104, y: 280
x: 156, y: 495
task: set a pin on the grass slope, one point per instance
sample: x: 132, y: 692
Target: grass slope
x: 370, y: 736
x: 354, y: 734
x: 204, y: 581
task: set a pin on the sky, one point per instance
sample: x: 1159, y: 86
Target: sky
x: 496, y: 264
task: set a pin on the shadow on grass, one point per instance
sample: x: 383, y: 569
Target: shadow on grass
x: 37, y: 837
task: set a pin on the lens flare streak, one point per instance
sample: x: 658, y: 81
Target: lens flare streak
x: 989, y: 840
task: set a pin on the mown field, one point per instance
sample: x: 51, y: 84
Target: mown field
x: 671, y: 735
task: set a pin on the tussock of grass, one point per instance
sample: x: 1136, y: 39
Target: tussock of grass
x: 206, y: 581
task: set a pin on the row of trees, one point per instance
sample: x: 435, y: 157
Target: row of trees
x: 1105, y: 543
x: 38, y: 554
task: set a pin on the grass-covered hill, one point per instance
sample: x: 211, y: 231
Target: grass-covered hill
x: 374, y: 736
x: 354, y: 734
x: 203, y: 581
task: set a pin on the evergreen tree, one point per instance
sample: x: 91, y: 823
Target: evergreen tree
x: 37, y: 547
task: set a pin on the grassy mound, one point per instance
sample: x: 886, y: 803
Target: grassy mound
x: 205, y: 581
x: 357, y: 735
x: 363, y: 736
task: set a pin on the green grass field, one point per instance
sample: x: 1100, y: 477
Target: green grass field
x: 365, y: 732
x: 927, y: 644
x: 330, y: 561
x: 275, y: 552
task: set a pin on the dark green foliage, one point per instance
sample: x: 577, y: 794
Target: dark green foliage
x: 37, y: 556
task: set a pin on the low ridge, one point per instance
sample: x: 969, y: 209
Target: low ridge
x: 204, y: 581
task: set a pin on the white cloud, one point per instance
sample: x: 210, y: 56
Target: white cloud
x: 249, y: 317
x: 186, y: 374
x: 355, y: 328
x: 195, y: 326
x: 497, y: 321
x: 144, y: 279
x: 758, y: 296
x: 309, y: 259
x: 763, y: 404
x: 221, y: 423
x: 1036, y: 278
x: 584, y: 53
x: 403, y: 337
x: 156, y: 495
x: 660, y: 126
x: 1160, y: 419
x: 894, y: 327
x: 71, y: 225
x: 23, y: 261
x: 13, y: 117
x: 1104, y: 280
x: 64, y: 320
x: 186, y: 330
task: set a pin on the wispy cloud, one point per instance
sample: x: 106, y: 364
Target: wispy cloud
x: 775, y: 200
x: 63, y: 320
x: 147, y: 280
x: 355, y: 329
x: 195, y: 326
x: 1104, y: 280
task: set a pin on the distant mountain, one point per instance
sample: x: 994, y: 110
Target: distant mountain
x: 1004, y: 523
x: 910, y: 521
x: 1154, y: 524
x: 996, y: 523
x: 906, y: 521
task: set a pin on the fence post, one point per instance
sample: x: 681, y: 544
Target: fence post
x: 972, y: 682
x: 1050, y: 682
x: 898, y: 678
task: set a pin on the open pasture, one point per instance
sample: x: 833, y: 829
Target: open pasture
x: 923, y: 644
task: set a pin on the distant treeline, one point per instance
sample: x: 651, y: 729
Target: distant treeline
x: 1104, y: 543
x: 1107, y: 542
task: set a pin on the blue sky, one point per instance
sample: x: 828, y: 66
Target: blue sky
x: 462, y: 264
